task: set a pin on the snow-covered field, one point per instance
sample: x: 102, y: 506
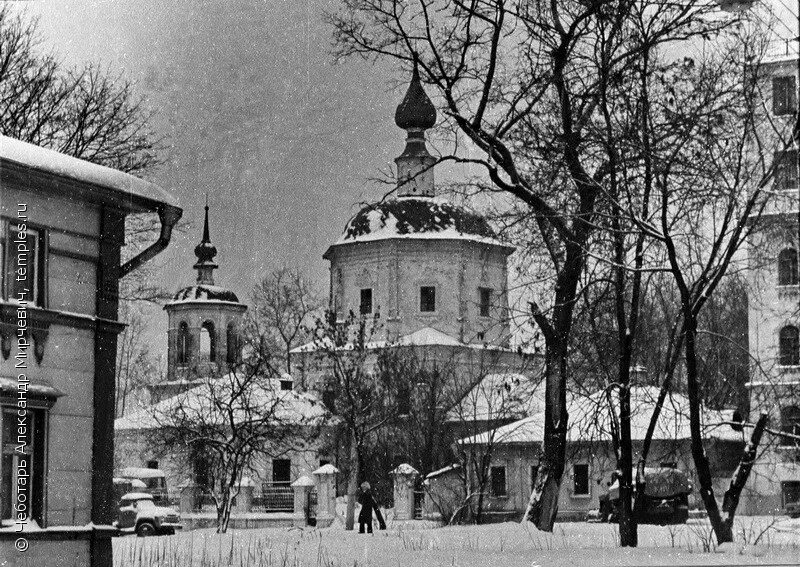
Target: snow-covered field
x: 760, y: 541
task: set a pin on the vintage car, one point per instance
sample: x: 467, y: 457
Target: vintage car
x: 666, y: 497
x: 137, y: 513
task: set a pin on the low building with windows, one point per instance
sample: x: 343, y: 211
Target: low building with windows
x: 512, y: 452
x: 774, y: 312
x: 62, y: 228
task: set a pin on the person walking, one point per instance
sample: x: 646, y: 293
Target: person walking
x: 368, y: 504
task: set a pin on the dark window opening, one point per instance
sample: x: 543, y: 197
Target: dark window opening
x: 286, y: 384
x: 281, y: 471
x: 427, y: 299
x: 365, y: 307
x: 329, y: 399
x: 481, y: 336
x: 790, y: 423
x: 787, y: 267
x: 580, y: 473
x: 790, y: 492
x: 669, y: 465
x: 28, y: 461
x: 323, y: 462
x: 534, y: 472
x: 789, y: 346
x: 152, y: 464
x: 783, y: 96
x: 24, y: 265
x: 786, y: 170
x: 403, y: 400
x: 497, y: 477
x: 485, y: 301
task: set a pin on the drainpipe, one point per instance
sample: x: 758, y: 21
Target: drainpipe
x: 169, y: 217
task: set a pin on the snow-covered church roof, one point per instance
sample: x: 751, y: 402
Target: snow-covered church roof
x: 418, y: 218
x: 204, y: 293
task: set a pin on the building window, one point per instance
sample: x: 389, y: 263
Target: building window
x: 497, y: 477
x: 329, y: 399
x: 783, y: 96
x: 787, y: 267
x: 786, y: 170
x: 484, y: 301
x: 24, y: 265
x: 183, y: 343
x: 427, y: 299
x: 208, y: 342
x: 152, y: 464
x: 281, y: 471
x: 286, y: 382
x: 790, y: 492
x: 232, y: 344
x: 534, y: 472
x: 365, y: 307
x: 20, y: 459
x: 580, y: 479
x: 790, y: 423
x: 789, y: 346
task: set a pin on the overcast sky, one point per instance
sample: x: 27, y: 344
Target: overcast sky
x: 256, y: 113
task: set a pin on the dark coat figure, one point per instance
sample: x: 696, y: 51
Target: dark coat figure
x: 368, y: 505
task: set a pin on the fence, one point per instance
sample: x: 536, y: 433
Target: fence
x: 275, y: 497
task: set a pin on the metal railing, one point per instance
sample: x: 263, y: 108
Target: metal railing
x: 274, y: 497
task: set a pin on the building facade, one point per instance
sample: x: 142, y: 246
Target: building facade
x: 774, y: 309
x: 62, y: 224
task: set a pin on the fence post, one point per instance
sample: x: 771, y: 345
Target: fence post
x: 325, y: 478
x: 244, y: 500
x: 189, y: 501
x: 302, y: 488
x: 405, y: 479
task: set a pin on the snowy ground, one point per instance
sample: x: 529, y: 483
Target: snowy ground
x: 495, y: 545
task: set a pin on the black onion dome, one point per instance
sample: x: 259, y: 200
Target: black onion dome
x: 205, y: 251
x: 410, y: 216
x: 416, y: 110
x: 203, y: 292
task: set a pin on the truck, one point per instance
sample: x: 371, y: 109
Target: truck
x: 138, y: 513
x: 666, y: 497
x: 154, y: 481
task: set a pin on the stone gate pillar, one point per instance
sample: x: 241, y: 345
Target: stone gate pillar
x: 405, y: 479
x: 244, y: 500
x: 325, y: 479
x: 302, y: 488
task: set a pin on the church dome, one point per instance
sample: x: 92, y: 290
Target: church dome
x: 203, y: 292
x: 416, y: 217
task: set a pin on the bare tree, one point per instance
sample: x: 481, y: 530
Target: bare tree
x: 135, y: 366
x: 363, y: 399
x: 229, y: 422
x: 283, y: 308
x: 522, y: 82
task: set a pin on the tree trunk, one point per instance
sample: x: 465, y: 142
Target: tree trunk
x: 723, y: 532
x: 224, y: 506
x: 628, y: 529
x: 731, y: 500
x: 543, y: 503
x: 352, y: 484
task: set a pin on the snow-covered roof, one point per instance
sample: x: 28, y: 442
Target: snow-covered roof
x: 203, y: 293
x: 141, y: 472
x: 443, y: 471
x: 137, y: 496
x: 404, y: 469
x: 418, y: 218
x: 326, y: 469
x: 426, y: 336
x: 51, y: 161
x: 284, y: 405
x: 589, y: 420
x: 499, y: 397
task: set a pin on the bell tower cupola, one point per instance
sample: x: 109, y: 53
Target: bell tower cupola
x: 415, y: 115
x: 205, y: 252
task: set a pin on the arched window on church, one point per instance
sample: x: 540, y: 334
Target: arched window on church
x: 232, y: 343
x: 208, y: 342
x: 787, y: 267
x: 789, y: 346
x: 183, y: 343
x: 790, y: 423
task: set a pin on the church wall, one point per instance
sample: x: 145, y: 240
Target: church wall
x: 396, y: 269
